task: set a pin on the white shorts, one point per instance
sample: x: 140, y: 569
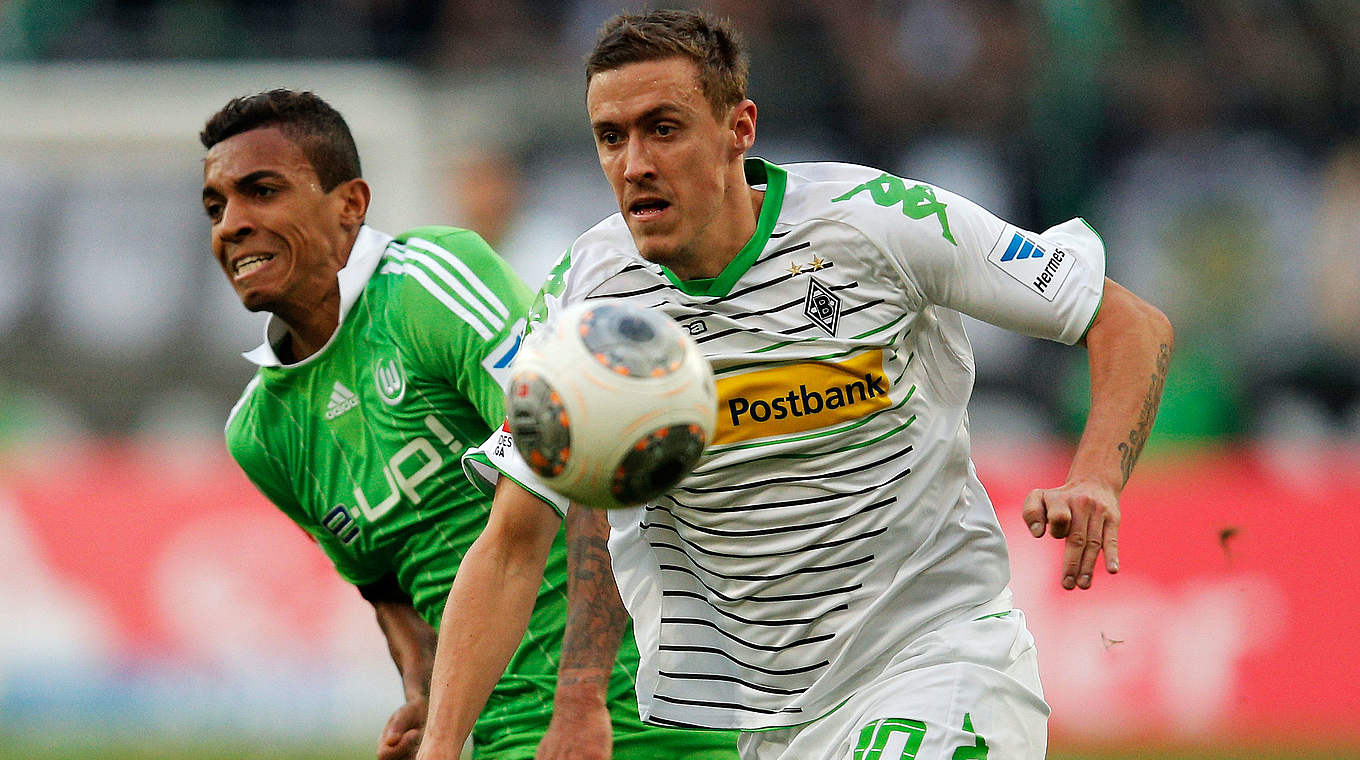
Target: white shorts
x: 968, y: 691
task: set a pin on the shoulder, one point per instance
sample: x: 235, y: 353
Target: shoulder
x: 446, y: 248
x: 825, y: 190
x: 885, y: 207
x: 450, y: 270
x: 242, y: 427
x: 599, y: 254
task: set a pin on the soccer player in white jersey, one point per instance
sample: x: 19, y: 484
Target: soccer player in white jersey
x: 832, y: 578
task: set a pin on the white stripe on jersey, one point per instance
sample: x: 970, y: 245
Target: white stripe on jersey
x: 240, y: 402
x: 440, y: 295
x: 463, y: 269
x: 408, y: 256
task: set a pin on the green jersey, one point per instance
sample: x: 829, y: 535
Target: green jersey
x: 359, y: 444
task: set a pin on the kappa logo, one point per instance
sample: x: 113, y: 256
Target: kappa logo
x: 342, y: 400
x: 822, y: 306
x: 390, y: 380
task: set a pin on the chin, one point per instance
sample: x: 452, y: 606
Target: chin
x: 657, y: 251
x: 254, y: 301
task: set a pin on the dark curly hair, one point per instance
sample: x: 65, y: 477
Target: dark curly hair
x: 318, y: 130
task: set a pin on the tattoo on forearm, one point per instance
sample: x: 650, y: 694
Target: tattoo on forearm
x: 1130, y: 449
x: 595, y: 619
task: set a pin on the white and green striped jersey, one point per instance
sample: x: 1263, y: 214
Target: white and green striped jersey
x: 836, y: 515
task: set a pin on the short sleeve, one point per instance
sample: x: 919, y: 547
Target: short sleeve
x: 463, y: 312
x: 953, y: 253
x: 497, y: 457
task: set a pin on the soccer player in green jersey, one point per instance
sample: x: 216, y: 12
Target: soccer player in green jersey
x: 831, y: 579
x: 382, y: 363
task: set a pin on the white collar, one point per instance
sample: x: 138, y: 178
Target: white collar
x: 354, y: 276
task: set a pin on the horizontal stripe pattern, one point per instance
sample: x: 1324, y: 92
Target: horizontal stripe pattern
x: 791, y: 540
x: 772, y: 561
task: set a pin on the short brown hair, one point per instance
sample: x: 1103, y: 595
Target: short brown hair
x: 318, y: 130
x: 712, y: 43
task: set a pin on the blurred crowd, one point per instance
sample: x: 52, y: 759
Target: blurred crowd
x: 1215, y: 144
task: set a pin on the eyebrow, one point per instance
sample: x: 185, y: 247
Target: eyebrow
x: 245, y: 181
x: 651, y: 114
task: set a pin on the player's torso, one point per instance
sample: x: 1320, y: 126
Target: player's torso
x: 837, y: 468
x: 372, y: 446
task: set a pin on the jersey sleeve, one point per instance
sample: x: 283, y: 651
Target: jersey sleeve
x: 269, y: 474
x: 953, y: 253
x: 497, y: 456
x: 464, y: 311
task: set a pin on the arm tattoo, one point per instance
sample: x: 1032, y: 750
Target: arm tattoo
x: 1130, y: 449
x: 595, y: 616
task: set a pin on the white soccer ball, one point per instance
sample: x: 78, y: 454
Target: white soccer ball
x: 612, y: 404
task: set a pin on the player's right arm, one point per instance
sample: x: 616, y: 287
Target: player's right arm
x: 487, y: 613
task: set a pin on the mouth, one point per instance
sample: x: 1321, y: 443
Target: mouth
x: 645, y: 209
x: 247, y: 264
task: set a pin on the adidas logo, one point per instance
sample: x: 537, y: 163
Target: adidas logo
x: 342, y: 400
x: 1021, y: 247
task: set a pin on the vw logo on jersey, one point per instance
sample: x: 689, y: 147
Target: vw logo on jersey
x: 822, y: 306
x: 390, y: 379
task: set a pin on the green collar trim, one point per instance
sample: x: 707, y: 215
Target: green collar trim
x: 775, y: 179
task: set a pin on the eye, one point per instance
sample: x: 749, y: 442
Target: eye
x: 665, y: 130
x: 213, y: 210
x: 609, y: 138
x: 263, y: 191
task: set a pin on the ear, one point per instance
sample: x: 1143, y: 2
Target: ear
x: 353, y: 197
x: 743, y: 124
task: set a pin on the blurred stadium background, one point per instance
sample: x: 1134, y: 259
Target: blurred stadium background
x: 156, y: 607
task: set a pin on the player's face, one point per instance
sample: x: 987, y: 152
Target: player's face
x: 278, y: 236
x: 674, y: 166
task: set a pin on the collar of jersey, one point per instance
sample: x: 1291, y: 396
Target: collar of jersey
x: 758, y: 172
x: 354, y: 276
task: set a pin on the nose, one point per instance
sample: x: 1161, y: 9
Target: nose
x: 236, y: 223
x: 638, y: 164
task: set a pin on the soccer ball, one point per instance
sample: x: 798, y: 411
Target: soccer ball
x: 612, y: 404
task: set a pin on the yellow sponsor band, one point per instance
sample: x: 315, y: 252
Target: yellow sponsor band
x: 800, y: 397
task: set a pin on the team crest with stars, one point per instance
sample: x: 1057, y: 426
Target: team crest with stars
x: 822, y: 306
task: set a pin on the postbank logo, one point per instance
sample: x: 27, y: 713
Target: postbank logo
x: 800, y: 397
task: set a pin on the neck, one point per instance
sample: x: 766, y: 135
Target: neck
x: 309, y: 331
x: 313, y: 320
x: 741, y: 222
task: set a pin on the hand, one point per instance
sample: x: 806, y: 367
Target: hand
x: 401, y: 737
x: 577, y: 733
x: 1087, y: 515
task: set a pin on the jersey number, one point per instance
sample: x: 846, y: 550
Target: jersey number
x: 900, y: 739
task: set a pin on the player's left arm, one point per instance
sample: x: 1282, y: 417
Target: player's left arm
x: 411, y: 642
x: 581, y: 728
x: 1129, y: 346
